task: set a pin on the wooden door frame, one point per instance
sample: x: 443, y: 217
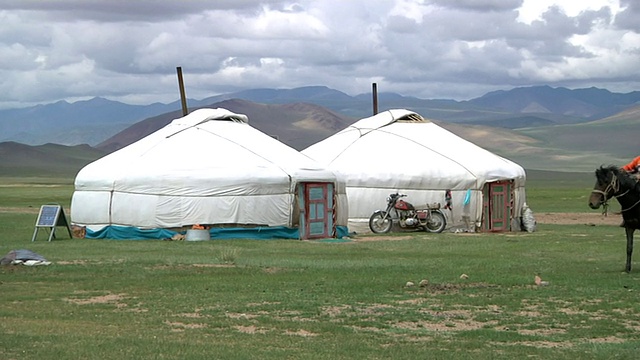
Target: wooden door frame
x: 308, y: 209
x: 504, y: 208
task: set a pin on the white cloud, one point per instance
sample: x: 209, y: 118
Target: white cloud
x: 533, y: 9
x: 66, y: 49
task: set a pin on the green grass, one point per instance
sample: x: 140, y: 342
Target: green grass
x: 568, y: 200
x: 549, y: 191
x: 240, y: 299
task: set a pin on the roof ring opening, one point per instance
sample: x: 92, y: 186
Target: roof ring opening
x: 234, y: 118
x: 412, y: 118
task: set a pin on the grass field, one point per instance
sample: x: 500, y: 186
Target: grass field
x: 243, y: 299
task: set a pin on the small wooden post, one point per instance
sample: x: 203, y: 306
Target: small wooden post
x: 375, y: 98
x: 183, y: 97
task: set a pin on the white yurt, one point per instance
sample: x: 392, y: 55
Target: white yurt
x: 209, y: 169
x: 400, y: 151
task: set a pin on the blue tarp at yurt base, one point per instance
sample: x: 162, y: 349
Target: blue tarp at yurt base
x: 255, y: 233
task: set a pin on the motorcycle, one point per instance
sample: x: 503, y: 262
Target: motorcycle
x: 403, y: 213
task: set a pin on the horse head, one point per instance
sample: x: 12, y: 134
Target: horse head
x: 607, y: 185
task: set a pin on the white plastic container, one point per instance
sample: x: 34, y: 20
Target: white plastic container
x: 197, y: 235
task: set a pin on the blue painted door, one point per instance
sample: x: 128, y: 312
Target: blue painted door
x: 317, y: 207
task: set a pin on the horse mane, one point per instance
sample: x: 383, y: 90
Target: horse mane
x: 626, y: 180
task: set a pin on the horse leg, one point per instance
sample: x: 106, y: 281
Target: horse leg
x: 629, y: 231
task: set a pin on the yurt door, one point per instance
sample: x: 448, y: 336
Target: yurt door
x: 497, y: 206
x: 316, y: 220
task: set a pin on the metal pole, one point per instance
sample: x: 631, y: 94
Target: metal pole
x: 375, y: 98
x: 183, y: 97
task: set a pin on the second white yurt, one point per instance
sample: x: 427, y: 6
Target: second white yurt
x: 400, y: 151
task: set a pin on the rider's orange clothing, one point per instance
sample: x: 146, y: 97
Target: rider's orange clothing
x: 633, y: 165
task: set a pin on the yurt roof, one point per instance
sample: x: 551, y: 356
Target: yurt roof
x: 209, y: 151
x: 401, y: 149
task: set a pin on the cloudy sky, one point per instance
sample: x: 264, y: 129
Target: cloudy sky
x: 128, y: 50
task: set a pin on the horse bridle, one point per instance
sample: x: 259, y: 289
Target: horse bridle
x: 615, y: 186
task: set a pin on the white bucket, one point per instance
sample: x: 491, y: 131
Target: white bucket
x: 197, y: 235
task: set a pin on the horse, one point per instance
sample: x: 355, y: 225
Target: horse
x: 612, y: 181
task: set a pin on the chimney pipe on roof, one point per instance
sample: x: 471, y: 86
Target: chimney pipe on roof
x: 183, y: 97
x: 375, y: 98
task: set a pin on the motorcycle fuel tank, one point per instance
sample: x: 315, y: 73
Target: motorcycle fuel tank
x: 403, y: 205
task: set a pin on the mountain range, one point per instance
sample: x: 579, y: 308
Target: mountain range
x: 540, y: 127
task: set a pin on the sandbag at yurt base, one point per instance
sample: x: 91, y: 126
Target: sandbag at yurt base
x: 212, y: 170
x: 400, y: 151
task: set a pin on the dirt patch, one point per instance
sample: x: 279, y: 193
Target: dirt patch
x: 591, y: 219
x: 194, y: 315
x: 446, y: 325
x: 241, y: 316
x: 19, y: 210
x: 72, y: 262
x: 448, y: 288
x: 30, y: 185
x: 334, y: 311
x: 370, y: 237
x: 112, y: 299
x: 251, y: 329
x: 180, y: 326
x: 213, y: 265
x: 303, y: 333
x: 103, y: 299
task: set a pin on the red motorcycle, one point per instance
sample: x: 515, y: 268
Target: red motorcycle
x: 398, y: 211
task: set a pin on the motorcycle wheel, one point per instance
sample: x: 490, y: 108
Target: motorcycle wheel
x: 380, y: 223
x: 436, y: 222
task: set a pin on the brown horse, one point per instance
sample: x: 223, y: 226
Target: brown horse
x: 611, y: 182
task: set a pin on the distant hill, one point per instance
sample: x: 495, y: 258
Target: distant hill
x: 137, y: 131
x: 616, y: 136
x: 539, y: 127
x: 629, y: 116
x: 569, y: 147
x: 534, y: 151
x: 566, y: 147
x: 515, y: 122
x: 81, y: 122
x: 297, y: 125
x: 49, y: 160
x: 94, y: 121
x: 591, y: 103
x: 314, y: 94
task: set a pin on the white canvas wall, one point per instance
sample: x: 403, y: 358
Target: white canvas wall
x: 380, y: 155
x: 210, y: 167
